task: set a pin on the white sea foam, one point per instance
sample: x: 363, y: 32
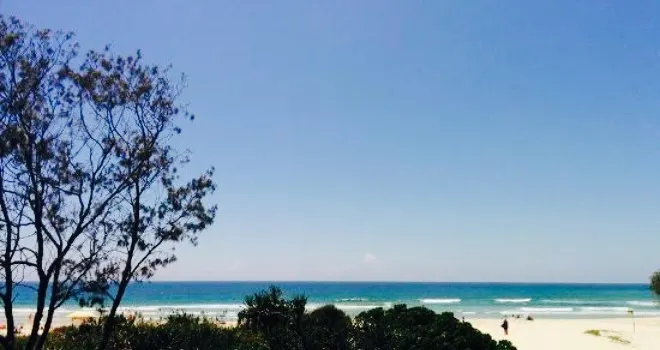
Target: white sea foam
x: 313, y: 306
x: 139, y: 309
x: 356, y: 307
x: 547, y: 310
x: 513, y: 301
x: 26, y: 310
x: 580, y: 302
x: 182, y: 307
x: 561, y: 301
x: 349, y: 306
x: 605, y: 310
x: 352, y: 300
x: 440, y: 301
x: 643, y: 303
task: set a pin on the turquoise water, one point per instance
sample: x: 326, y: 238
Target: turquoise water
x: 224, y: 299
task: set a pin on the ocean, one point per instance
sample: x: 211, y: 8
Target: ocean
x: 223, y: 300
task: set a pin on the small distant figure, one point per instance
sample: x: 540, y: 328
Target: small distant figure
x: 505, y: 326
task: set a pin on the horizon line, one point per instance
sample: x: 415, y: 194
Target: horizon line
x: 386, y: 281
x: 374, y: 281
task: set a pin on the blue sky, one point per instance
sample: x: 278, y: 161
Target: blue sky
x: 408, y: 140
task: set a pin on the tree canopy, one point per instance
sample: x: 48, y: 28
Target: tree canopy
x: 90, y: 193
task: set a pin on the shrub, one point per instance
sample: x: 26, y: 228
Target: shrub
x: 276, y: 319
x: 179, y: 332
x: 419, y: 328
x: 327, y: 328
x: 371, y: 330
x: 655, y: 283
x: 272, y: 322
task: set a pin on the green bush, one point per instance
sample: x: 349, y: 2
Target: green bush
x: 418, y: 328
x: 655, y: 283
x: 276, y: 319
x: 272, y: 322
x: 371, y: 330
x: 179, y: 332
x: 327, y: 328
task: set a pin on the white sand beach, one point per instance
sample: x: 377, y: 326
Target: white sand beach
x: 555, y: 334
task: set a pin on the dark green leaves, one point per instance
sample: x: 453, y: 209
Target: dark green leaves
x: 284, y: 324
x: 655, y: 283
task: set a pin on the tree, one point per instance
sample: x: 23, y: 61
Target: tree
x: 327, y: 328
x: 47, y: 206
x: 154, y: 211
x: 279, y: 320
x: 655, y: 283
x: 84, y: 158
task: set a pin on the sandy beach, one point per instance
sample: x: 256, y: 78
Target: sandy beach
x: 554, y: 334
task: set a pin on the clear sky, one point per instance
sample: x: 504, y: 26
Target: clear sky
x: 409, y: 140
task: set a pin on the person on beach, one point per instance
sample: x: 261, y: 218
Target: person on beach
x: 505, y: 326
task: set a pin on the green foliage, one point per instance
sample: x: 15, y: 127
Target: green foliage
x: 279, y: 320
x: 327, y: 328
x: 618, y: 339
x: 611, y: 335
x: 655, y: 283
x: 594, y: 332
x: 284, y: 325
x: 418, y: 328
x: 371, y: 330
x: 179, y: 332
x: 272, y: 322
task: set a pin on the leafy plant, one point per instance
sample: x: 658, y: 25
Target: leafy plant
x: 655, y: 283
x: 327, y: 328
x: 270, y: 321
x: 278, y: 319
x: 594, y: 332
x: 618, y: 339
x: 418, y: 328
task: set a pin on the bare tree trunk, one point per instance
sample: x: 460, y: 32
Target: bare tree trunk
x: 44, y: 333
x: 9, y: 339
x: 7, y: 296
x: 52, y: 305
x: 126, y: 274
x: 33, y: 167
x: 42, y: 291
x: 109, y: 324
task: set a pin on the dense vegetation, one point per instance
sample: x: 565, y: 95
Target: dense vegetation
x: 272, y: 322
